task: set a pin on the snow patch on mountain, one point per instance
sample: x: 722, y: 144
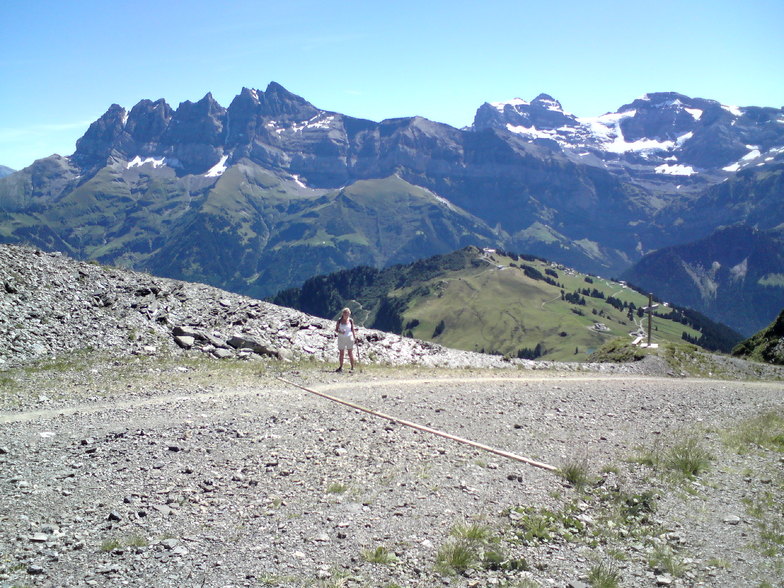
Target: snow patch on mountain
x: 500, y: 106
x: 605, y: 133
x: 752, y: 156
x: 217, y: 169
x: 320, y: 121
x: 753, y: 153
x: 155, y: 162
x: 549, y: 104
x: 534, y: 133
x: 675, y: 170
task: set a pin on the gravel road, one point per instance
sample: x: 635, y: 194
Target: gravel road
x: 175, y: 472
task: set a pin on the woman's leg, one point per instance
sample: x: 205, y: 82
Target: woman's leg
x: 351, y: 357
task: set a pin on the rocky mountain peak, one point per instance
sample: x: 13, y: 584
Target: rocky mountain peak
x: 148, y: 120
x: 96, y: 145
x: 197, y: 122
x: 546, y: 101
x: 544, y: 113
x: 668, y: 116
x: 276, y: 101
x: 251, y: 109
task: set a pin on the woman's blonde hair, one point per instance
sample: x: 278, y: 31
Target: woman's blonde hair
x: 347, y: 309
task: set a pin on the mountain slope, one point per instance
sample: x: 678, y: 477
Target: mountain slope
x: 766, y: 346
x: 735, y: 275
x: 275, y: 231
x: 499, y: 302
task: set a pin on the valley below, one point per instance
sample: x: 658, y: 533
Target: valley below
x: 175, y: 471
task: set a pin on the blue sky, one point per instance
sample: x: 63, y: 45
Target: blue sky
x: 62, y: 64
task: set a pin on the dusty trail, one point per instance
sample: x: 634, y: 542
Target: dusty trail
x: 213, y: 478
x: 281, y: 388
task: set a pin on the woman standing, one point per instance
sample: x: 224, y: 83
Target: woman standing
x: 345, y: 330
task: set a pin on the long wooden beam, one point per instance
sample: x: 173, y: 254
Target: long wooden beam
x: 425, y: 429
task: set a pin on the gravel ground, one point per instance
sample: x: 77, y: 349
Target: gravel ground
x: 145, y: 471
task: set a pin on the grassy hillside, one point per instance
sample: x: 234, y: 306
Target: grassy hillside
x: 502, y: 303
x: 766, y: 346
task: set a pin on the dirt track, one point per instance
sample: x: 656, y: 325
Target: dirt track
x: 206, y: 476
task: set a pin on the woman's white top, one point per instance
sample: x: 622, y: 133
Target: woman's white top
x: 344, y: 329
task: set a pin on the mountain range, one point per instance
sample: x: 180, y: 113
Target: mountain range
x: 265, y: 193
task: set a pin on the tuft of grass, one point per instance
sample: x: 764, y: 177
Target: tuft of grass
x: 456, y: 557
x: 764, y: 507
x: 604, y: 575
x: 766, y: 430
x: 686, y: 458
x: 111, y: 544
x: 472, y: 533
x: 717, y: 562
x: 576, y: 473
x: 137, y: 541
x: 664, y: 559
x: 379, y: 555
x: 496, y: 559
x: 276, y: 580
x: 337, y: 488
x: 611, y: 469
x: 527, y: 583
x: 533, y: 526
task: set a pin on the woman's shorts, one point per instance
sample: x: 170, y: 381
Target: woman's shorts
x: 345, y: 342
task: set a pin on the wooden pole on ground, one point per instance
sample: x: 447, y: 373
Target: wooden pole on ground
x: 425, y: 429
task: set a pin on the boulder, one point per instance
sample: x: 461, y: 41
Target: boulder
x: 239, y: 342
x: 184, y: 341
